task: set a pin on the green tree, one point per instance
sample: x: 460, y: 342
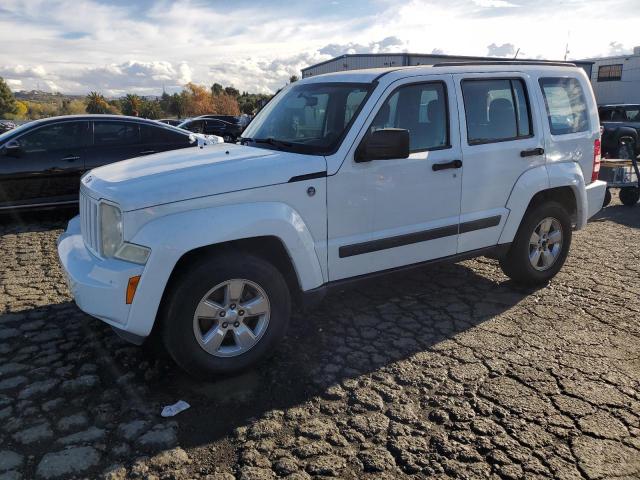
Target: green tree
x: 96, y: 103
x: 232, y: 92
x: 131, y: 105
x: 7, y: 100
x: 293, y: 78
x: 216, y: 89
x: 150, y: 109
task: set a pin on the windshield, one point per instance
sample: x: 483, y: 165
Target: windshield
x: 307, y: 118
x: 15, y: 131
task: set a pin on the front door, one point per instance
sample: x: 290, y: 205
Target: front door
x: 390, y: 213
x: 501, y: 139
x: 46, y: 167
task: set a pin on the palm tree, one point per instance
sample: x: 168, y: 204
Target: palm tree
x: 96, y: 103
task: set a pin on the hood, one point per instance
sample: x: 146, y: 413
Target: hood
x: 195, y: 172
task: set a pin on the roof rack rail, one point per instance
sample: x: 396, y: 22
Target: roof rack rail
x: 506, y: 62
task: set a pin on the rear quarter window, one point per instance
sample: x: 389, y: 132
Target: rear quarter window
x: 567, y: 109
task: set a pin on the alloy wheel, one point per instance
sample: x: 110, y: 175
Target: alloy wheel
x: 231, y: 318
x: 545, y: 244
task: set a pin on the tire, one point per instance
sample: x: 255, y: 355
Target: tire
x: 629, y: 196
x: 607, y: 198
x: 626, y: 150
x: 517, y: 263
x: 185, y: 334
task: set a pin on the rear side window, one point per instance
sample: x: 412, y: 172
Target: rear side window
x: 421, y: 109
x: 156, y: 135
x: 496, y: 110
x: 115, y: 134
x: 566, y: 105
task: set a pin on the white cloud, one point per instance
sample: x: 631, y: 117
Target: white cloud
x: 82, y: 45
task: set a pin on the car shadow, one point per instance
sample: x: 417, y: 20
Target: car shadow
x: 621, y: 214
x: 15, y: 221
x: 352, y: 333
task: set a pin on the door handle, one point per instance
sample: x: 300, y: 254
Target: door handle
x: 443, y: 166
x: 147, y: 152
x: 71, y: 158
x: 533, y: 152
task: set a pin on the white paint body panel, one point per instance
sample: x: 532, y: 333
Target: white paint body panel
x: 175, y: 202
x: 386, y: 198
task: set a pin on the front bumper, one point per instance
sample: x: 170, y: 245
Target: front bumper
x: 98, y: 285
x: 595, y: 197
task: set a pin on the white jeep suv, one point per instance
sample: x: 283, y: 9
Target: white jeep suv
x: 339, y: 177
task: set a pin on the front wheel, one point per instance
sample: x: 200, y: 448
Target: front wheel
x: 541, y: 245
x: 225, y: 314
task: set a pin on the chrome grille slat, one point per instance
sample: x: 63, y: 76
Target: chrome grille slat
x: 89, y: 222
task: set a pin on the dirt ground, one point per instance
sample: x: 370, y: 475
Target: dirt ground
x: 447, y: 372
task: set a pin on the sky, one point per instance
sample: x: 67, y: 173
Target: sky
x: 143, y: 46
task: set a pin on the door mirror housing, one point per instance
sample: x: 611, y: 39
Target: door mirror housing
x: 384, y: 144
x: 13, y: 149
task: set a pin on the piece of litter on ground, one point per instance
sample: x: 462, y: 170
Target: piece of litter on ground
x: 176, y: 408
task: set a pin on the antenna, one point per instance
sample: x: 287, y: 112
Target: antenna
x: 566, y: 48
x: 517, y: 52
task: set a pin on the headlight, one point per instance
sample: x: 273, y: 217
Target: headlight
x: 110, y: 229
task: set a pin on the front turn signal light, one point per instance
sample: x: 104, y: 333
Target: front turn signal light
x: 131, y: 288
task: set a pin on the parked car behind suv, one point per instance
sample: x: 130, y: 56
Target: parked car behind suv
x: 6, y: 125
x: 620, y: 130
x: 41, y: 162
x: 340, y: 177
x: 228, y: 127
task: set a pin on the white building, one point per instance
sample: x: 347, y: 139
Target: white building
x: 617, y: 79
x: 381, y: 60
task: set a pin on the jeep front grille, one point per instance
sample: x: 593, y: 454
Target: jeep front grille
x: 90, y: 223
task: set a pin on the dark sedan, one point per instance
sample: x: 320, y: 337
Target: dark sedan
x: 41, y: 162
x: 223, y: 126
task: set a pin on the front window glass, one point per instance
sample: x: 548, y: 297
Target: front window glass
x: 421, y: 109
x: 307, y: 118
x: 61, y: 136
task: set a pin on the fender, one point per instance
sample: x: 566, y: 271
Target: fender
x: 528, y: 184
x: 538, y: 179
x: 569, y: 174
x: 209, y: 226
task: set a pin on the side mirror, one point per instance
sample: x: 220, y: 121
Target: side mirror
x: 385, y: 144
x: 13, y: 149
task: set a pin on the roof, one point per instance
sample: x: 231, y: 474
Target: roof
x: 432, y: 55
x: 371, y: 74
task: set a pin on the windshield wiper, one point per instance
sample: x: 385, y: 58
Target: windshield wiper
x: 268, y: 140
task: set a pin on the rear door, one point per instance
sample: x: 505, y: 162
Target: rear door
x: 156, y: 139
x: 113, y: 140
x: 47, y: 167
x: 501, y: 139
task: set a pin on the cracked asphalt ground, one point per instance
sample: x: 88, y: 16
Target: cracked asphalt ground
x: 447, y: 372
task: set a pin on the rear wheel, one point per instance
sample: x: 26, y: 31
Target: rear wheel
x: 629, y: 196
x: 226, y: 314
x: 541, y: 245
